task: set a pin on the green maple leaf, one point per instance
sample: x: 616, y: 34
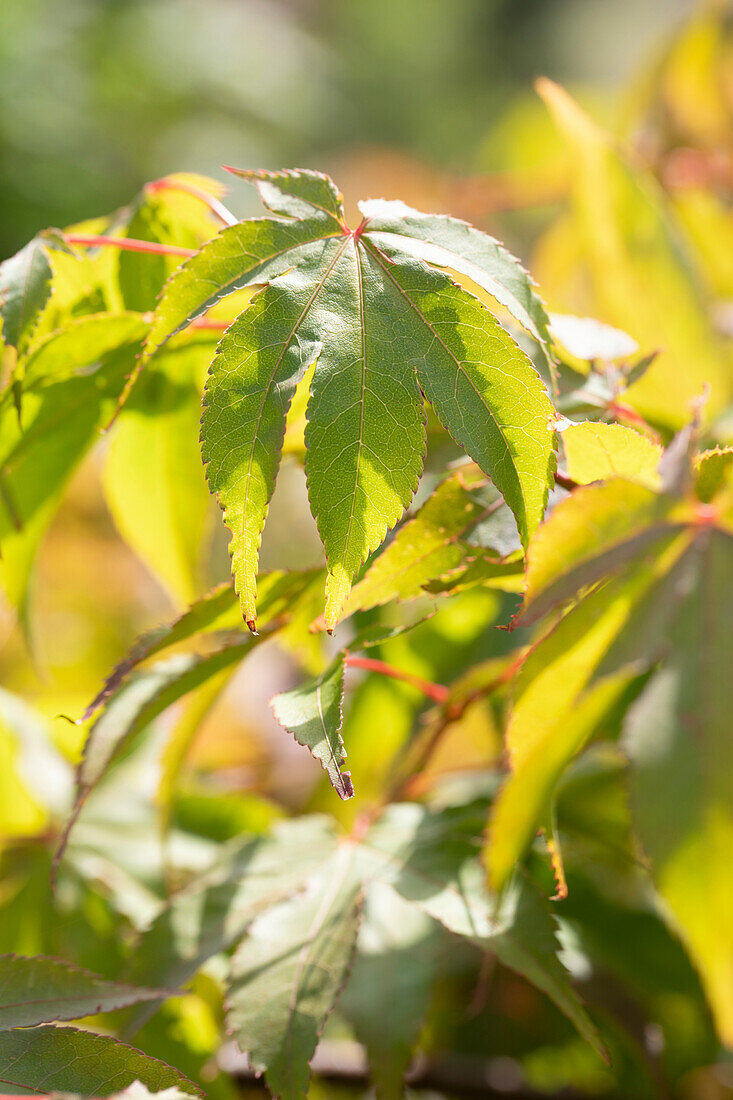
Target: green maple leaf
x: 64, y: 1059
x: 291, y: 901
x: 289, y: 970
x: 40, y: 990
x: 385, y: 329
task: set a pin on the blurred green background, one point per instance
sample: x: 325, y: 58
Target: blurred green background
x: 97, y: 96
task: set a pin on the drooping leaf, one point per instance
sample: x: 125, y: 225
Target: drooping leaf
x: 212, y: 616
x: 182, y: 738
x: 597, y: 452
x: 429, y: 858
x: 426, y: 546
x: 140, y: 700
x: 670, y: 604
x: 480, y: 567
x: 131, y: 699
x: 313, y: 714
x: 679, y: 738
x: 153, y: 478
x: 287, y: 973
x: 25, y: 286
x: 63, y: 1059
x: 380, y: 326
x: 525, y: 802
x: 40, y: 990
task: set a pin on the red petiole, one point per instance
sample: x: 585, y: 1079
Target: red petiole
x: 127, y: 244
x: 216, y: 207
x: 439, y: 693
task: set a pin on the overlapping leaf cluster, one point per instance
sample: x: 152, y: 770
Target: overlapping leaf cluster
x: 384, y: 326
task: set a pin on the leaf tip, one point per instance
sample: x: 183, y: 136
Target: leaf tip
x: 345, y: 789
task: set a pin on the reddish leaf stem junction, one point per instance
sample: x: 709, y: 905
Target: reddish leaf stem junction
x: 439, y: 693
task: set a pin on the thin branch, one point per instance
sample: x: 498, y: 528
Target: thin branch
x: 217, y: 208
x: 439, y: 693
x: 208, y: 323
x: 418, y: 753
x: 127, y: 244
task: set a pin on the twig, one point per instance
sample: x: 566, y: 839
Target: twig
x: 439, y: 693
x: 218, y: 208
x: 127, y: 244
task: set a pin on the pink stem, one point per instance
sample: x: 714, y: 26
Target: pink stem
x: 129, y: 245
x: 205, y: 323
x: 216, y: 207
x: 439, y: 693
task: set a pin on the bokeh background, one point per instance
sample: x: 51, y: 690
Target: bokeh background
x: 97, y: 96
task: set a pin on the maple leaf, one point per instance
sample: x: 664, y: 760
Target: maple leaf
x: 385, y: 328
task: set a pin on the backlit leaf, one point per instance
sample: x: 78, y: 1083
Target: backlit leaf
x: 424, y: 547
x: 81, y: 344
x: 597, y: 452
x: 313, y: 714
x: 162, y: 517
x: 430, y: 860
x: 212, y: 913
x: 381, y: 326
x: 398, y: 957
x: 550, y: 719
x: 596, y: 530
x: 642, y: 279
x: 60, y: 422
